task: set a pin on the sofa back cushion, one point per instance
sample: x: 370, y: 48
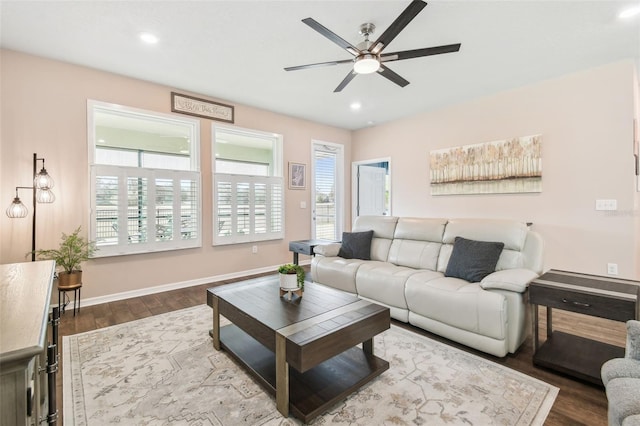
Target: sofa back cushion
x: 383, y: 228
x: 417, y: 242
x: 511, y: 233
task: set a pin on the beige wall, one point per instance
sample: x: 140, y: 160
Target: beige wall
x: 585, y: 120
x: 586, y: 123
x: 44, y: 110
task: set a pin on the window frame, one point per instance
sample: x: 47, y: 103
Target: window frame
x: 123, y: 246
x: 275, y: 177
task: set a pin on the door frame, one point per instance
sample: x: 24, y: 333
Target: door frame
x: 354, y: 183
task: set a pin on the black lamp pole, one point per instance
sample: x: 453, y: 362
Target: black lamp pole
x: 40, y: 192
x: 33, y: 227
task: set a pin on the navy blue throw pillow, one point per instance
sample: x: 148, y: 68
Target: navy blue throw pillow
x: 473, y: 260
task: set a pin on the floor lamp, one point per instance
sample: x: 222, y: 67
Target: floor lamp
x: 41, y: 193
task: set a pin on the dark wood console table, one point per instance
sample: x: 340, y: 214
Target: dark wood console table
x: 28, y: 363
x: 603, y: 297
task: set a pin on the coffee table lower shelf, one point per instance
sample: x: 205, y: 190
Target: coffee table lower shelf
x: 311, y: 392
x: 576, y: 356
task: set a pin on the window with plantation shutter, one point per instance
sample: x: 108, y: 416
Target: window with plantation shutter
x: 145, y: 181
x: 248, y: 186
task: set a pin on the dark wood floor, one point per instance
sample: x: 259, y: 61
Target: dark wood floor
x: 577, y: 403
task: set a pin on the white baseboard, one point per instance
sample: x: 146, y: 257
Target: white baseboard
x: 178, y: 285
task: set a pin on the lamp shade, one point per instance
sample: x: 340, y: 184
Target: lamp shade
x: 366, y: 64
x: 42, y: 180
x: 17, y: 209
x: 45, y: 196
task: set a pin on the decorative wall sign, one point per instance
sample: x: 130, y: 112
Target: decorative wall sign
x: 297, y: 177
x: 204, y: 108
x: 507, y: 166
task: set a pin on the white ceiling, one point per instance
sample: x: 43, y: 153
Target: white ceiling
x: 235, y: 51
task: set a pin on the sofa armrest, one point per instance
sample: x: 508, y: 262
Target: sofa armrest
x: 509, y: 279
x: 633, y: 340
x: 327, y: 250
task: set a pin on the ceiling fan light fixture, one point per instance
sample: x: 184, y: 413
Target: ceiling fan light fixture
x: 366, y: 64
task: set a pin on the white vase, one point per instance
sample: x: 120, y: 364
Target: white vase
x: 289, y: 281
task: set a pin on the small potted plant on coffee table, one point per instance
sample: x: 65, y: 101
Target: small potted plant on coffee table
x: 291, y: 278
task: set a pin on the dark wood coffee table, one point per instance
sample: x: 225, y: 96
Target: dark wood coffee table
x: 304, y: 351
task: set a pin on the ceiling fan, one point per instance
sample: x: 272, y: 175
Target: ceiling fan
x: 368, y: 56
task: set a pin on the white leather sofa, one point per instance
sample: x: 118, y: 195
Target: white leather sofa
x: 406, y: 273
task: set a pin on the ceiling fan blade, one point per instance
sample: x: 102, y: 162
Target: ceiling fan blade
x: 318, y: 65
x: 417, y: 53
x: 332, y: 36
x: 346, y: 81
x: 398, y: 25
x: 392, y: 76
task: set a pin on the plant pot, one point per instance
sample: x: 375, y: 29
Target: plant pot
x: 69, y: 279
x: 289, y: 281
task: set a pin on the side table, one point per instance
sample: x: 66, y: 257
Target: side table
x: 76, y: 296
x: 603, y: 297
x: 305, y: 247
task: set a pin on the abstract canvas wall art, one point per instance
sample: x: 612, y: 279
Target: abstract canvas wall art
x: 498, y: 167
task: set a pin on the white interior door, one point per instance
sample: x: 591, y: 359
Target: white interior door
x: 371, y: 191
x: 371, y: 187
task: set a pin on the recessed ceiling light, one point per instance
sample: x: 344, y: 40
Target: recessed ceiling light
x: 355, y: 106
x: 148, y: 38
x: 628, y: 13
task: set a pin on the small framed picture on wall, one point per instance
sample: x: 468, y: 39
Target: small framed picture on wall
x: 297, y: 176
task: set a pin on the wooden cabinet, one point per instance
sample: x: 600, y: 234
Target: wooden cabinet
x: 603, y: 297
x: 26, y: 357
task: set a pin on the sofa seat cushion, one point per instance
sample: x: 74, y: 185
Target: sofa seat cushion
x: 383, y: 282
x: 458, y: 303
x: 336, y: 272
x: 623, y: 395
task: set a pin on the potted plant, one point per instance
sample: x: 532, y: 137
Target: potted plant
x: 291, y: 277
x: 73, y: 250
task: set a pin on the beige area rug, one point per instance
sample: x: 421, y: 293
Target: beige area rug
x: 163, y: 370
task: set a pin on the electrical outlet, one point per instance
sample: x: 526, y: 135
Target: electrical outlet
x: 606, y: 204
x: 254, y: 249
x: 612, y: 268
